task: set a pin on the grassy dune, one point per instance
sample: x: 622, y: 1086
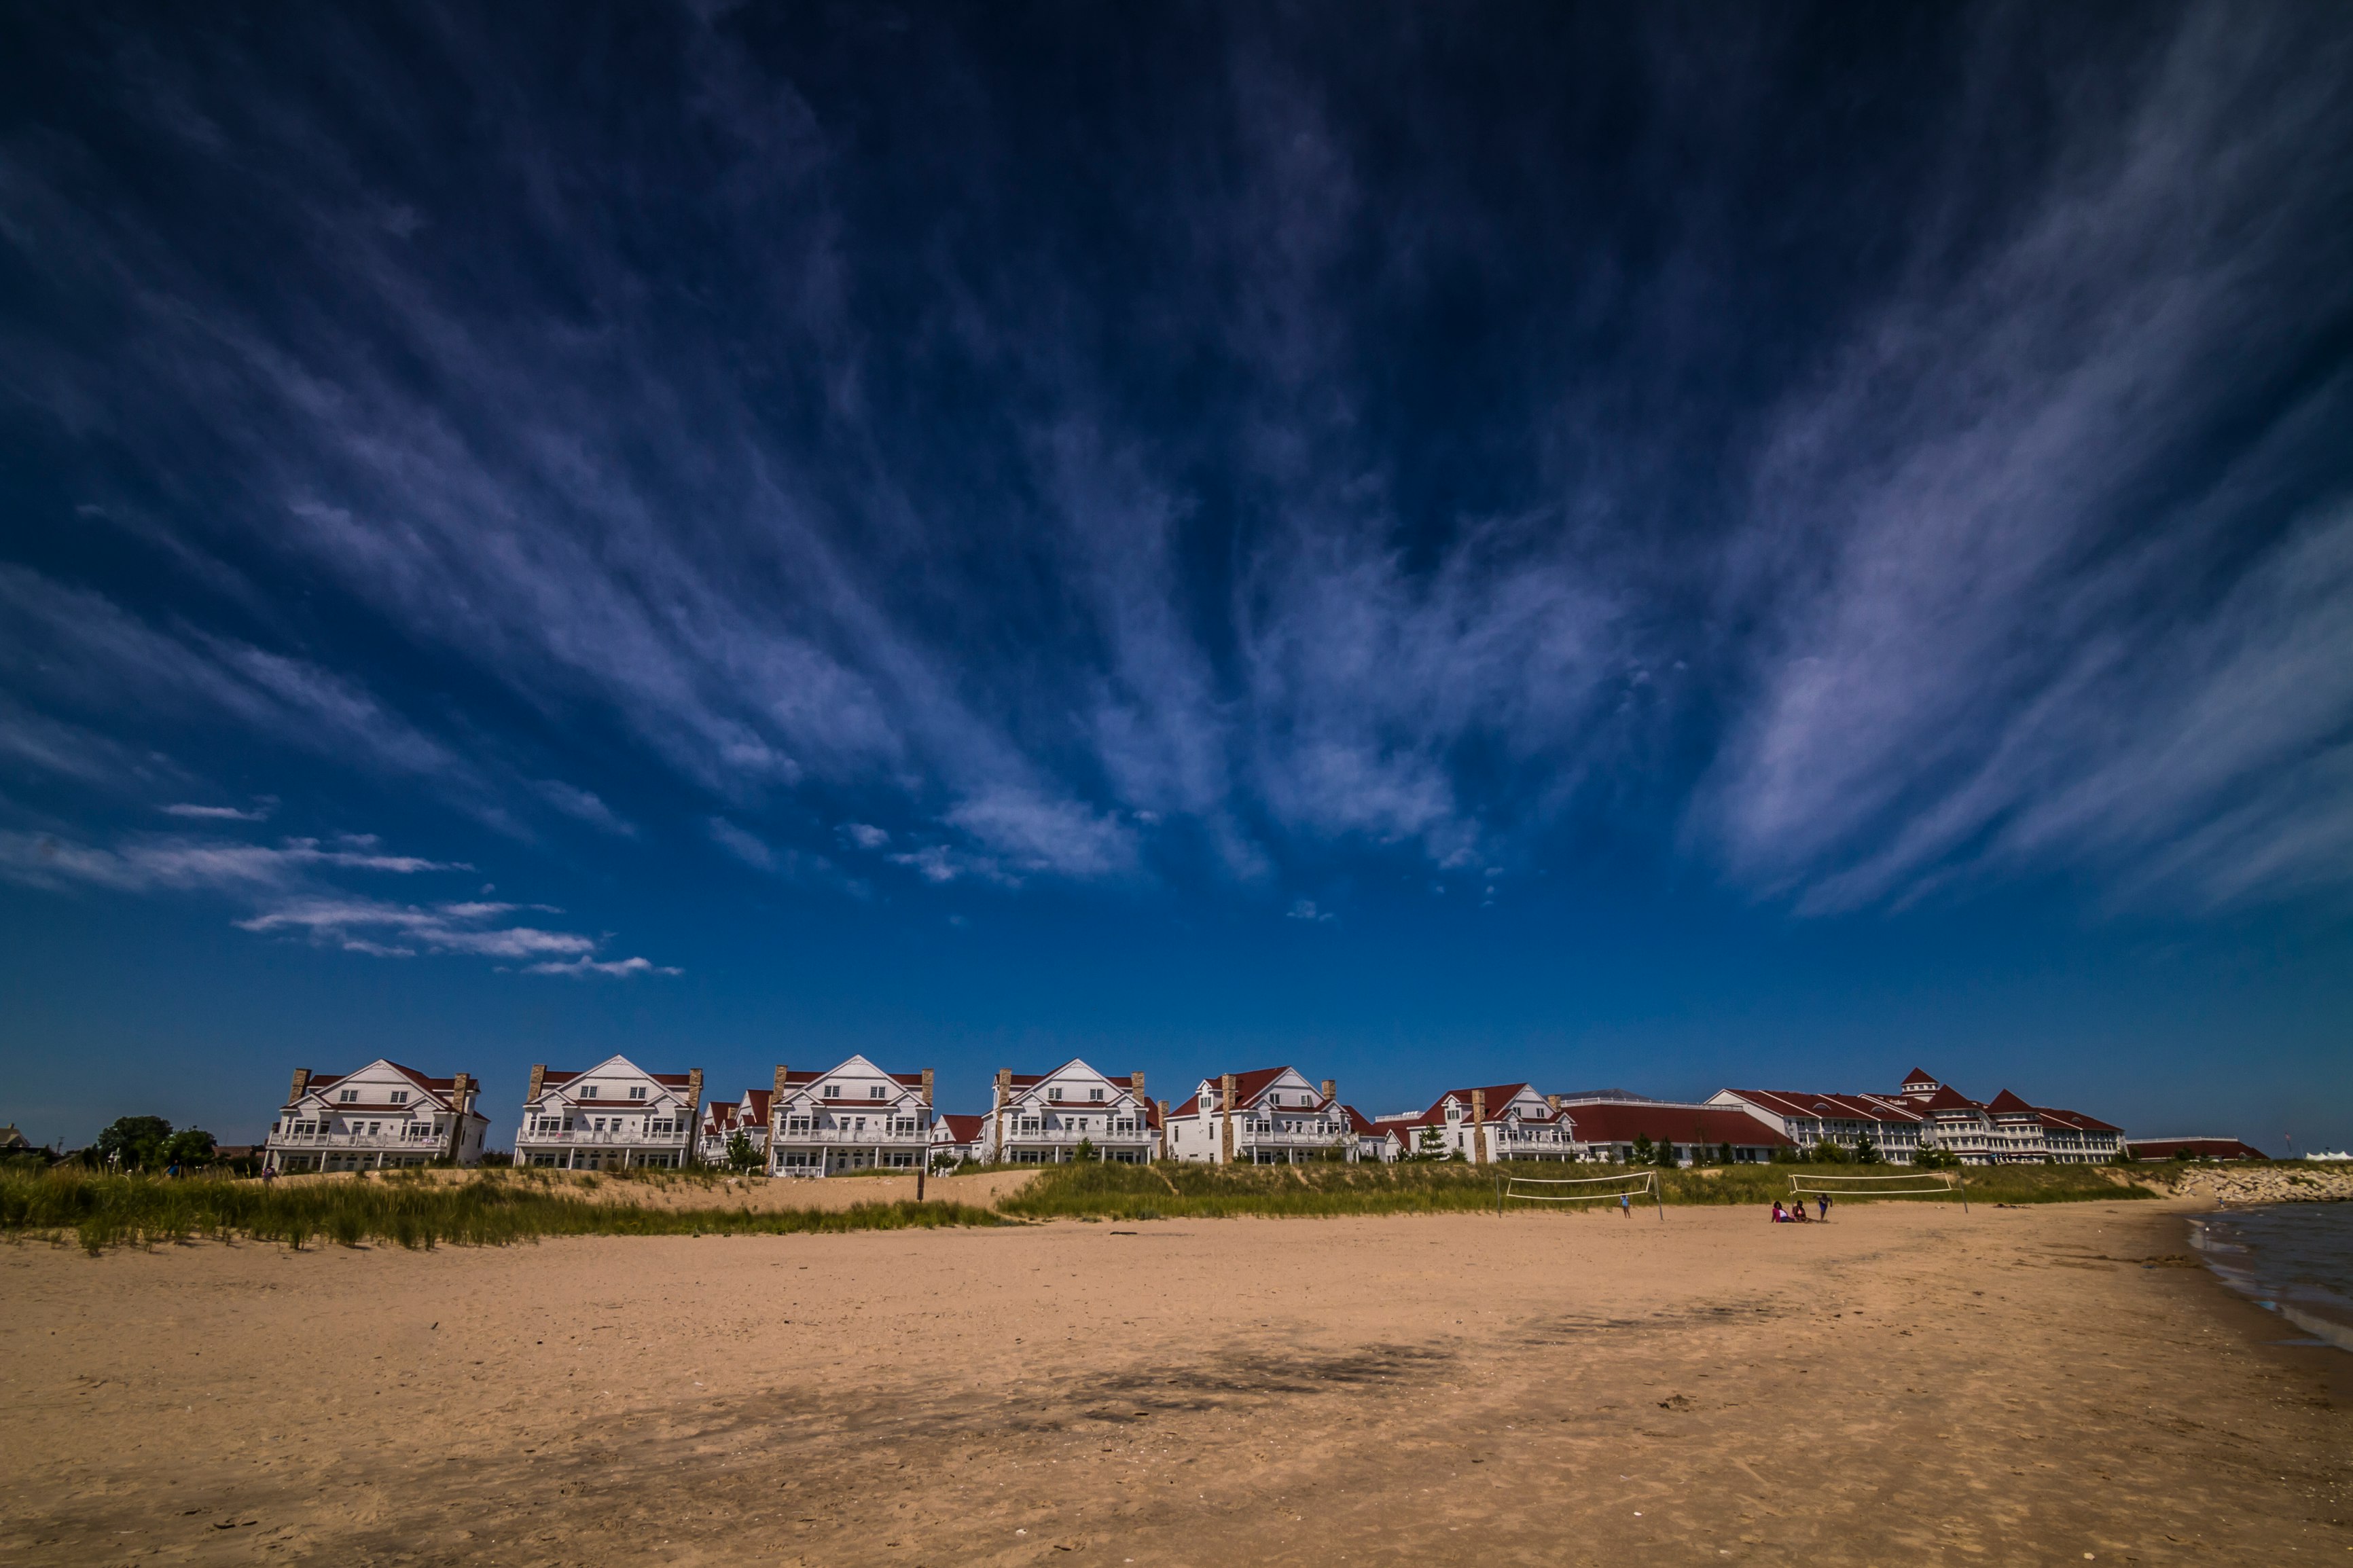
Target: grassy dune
x: 488, y: 1210
x: 1168, y: 1192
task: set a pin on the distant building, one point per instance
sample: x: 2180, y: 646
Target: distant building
x: 608, y: 1117
x: 855, y: 1117
x: 383, y: 1116
x: 724, y: 1121
x: 1042, y: 1118
x: 12, y: 1141
x: 1269, y: 1116
x: 1805, y: 1119
x: 2195, y: 1149
x: 959, y: 1139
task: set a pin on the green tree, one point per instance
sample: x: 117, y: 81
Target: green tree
x: 1866, y: 1151
x: 1085, y: 1151
x: 1430, y: 1144
x: 189, y: 1147
x: 1931, y: 1157
x: 1723, y: 1154
x: 136, y: 1142
x: 1643, y: 1153
x: 1829, y: 1150
x: 1664, y: 1153
x: 741, y: 1156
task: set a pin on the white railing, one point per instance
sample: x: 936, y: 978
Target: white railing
x: 590, y: 1135
x: 431, y: 1142
x: 1014, y: 1134
x: 853, y: 1135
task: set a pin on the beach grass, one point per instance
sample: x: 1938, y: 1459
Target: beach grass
x: 1169, y: 1191
x: 491, y: 1209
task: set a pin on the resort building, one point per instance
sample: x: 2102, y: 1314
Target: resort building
x: 1270, y: 1116
x: 1804, y: 1120
x: 380, y: 1117
x: 604, y: 1118
x: 855, y: 1118
x: 958, y: 1140
x: 1042, y: 1118
x: 1928, y: 1114
x: 1609, y: 1130
x: 1501, y: 1122
x: 1366, y: 1139
x: 723, y: 1122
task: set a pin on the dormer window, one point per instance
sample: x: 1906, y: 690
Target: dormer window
x: 636, y: 1091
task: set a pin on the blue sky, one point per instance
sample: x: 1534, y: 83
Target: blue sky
x: 1662, y: 548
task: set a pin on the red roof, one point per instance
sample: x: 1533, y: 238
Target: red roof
x: 1826, y: 1107
x: 1920, y: 1077
x: 2198, y: 1148
x: 1948, y: 1099
x: 1709, y: 1124
x: 803, y: 1079
x: 1359, y: 1124
x: 2074, y: 1119
x: 2009, y: 1103
x: 439, y: 1089
x: 555, y: 1079
x: 963, y: 1129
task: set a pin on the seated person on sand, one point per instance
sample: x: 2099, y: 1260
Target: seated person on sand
x: 1780, y: 1214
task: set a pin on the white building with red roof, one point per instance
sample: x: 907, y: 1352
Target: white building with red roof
x: 383, y: 1116
x: 854, y: 1116
x: 1806, y: 1119
x: 1498, y: 1122
x: 609, y: 1116
x: 1928, y: 1113
x: 1038, y: 1119
x: 725, y: 1120
x: 1613, y: 1129
x: 958, y: 1140
x: 1269, y: 1116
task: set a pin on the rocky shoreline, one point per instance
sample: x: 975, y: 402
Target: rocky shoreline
x: 2269, y: 1184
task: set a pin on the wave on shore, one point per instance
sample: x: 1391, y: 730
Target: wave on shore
x: 2294, y: 1258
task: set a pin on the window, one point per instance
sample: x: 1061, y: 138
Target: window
x: 833, y: 1092
x: 873, y: 1091
x: 1054, y: 1093
x: 375, y: 1127
x: 636, y: 1091
x: 1094, y: 1094
x: 345, y: 1097
x: 588, y: 1093
x: 400, y: 1096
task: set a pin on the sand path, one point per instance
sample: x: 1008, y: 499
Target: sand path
x: 1900, y: 1386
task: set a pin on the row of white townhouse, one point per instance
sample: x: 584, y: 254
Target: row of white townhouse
x: 857, y: 1116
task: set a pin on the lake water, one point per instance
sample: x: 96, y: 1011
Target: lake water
x: 2294, y: 1259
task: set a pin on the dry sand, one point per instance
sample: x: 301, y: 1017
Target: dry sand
x: 1902, y: 1385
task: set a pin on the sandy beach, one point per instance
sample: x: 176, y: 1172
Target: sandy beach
x: 1901, y: 1385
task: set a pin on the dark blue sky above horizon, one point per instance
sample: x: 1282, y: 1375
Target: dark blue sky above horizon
x: 1661, y: 547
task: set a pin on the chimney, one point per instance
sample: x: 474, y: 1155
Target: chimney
x: 927, y: 1086
x: 693, y: 1102
x: 1331, y: 1090
x: 1226, y: 1104
x: 1478, y: 1126
x: 301, y: 1078
x: 1553, y: 1103
x: 461, y: 1100
x: 538, y: 1083
x: 777, y: 1090
x: 1004, y: 1097
x: 1164, y: 1130
x: 1135, y: 1083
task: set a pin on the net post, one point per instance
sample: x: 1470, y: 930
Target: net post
x: 1657, y: 1197
x: 1499, y: 1197
x: 1961, y: 1185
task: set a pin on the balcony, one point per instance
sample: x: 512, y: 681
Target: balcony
x: 430, y: 1143
x: 838, y: 1137
x: 582, y: 1136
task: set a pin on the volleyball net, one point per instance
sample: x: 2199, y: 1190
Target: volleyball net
x: 1902, y: 1185
x: 1624, y: 1187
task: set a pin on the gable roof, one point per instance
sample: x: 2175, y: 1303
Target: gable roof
x: 555, y: 1078
x: 1361, y: 1124
x: 1920, y: 1076
x: 2010, y: 1104
x: 438, y: 1090
x: 962, y: 1129
x: 2074, y: 1119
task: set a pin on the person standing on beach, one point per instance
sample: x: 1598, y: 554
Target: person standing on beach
x: 1825, y: 1200
x: 1626, y: 1204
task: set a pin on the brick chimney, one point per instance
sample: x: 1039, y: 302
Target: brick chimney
x: 461, y: 1100
x: 694, y: 1105
x: 1552, y: 1100
x: 1003, y: 1097
x: 1226, y: 1104
x: 538, y: 1083
x: 1331, y: 1090
x: 301, y: 1080
x: 927, y: 1086
x: 1164, y: 1130
x: 776, y: 1091
x: 1136, y: 1084
x: 1478, y: 1126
